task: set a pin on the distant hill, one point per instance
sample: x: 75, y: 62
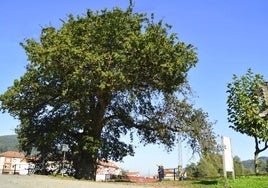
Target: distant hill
x: 249, y: 164
x: 8, y: 142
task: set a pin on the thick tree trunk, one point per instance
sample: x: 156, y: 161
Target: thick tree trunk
x: 86, y: 167
x: 85, y: 164
x: 85, y: 157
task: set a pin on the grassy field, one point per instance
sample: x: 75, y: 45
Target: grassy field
x: 239, y: 182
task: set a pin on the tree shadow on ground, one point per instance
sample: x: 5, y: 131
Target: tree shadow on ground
x: 207, y: 182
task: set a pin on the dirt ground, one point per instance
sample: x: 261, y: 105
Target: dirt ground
x: 35, y: 181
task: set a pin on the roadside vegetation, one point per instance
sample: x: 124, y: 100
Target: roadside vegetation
x: 239, y: 182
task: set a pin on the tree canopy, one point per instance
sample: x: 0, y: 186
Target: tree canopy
x: 245, y: 103
x: 102, y: 76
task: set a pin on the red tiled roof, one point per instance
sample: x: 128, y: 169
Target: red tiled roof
x: 108, y: 164
x: 168, y: 171
x: 133, y: 174
x: 12, y: 154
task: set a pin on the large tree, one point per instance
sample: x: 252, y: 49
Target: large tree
x: 245, y: 104
x: 102, y: 76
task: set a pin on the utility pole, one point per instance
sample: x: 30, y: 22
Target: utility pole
x: 179, y: 154
x: 180, y: 169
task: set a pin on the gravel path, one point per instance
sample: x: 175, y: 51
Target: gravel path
x: 35, y: 181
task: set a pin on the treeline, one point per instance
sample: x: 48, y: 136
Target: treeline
x: 210, y: 165
x: 8, y: 143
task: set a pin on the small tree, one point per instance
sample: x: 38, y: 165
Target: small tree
x: 245, y: 103
x: 210, y: 165
x: 98, y: 78
x: 238, y: 166
x: 192, y: 170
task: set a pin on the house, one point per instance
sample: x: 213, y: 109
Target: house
x: 169, y: 173
x: 106, y: 170
x: 133, y: 174
x: 12, y: 162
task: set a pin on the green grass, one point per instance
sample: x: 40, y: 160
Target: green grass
x: 239, y: 182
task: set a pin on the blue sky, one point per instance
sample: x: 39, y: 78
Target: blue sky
x: 230, y: 36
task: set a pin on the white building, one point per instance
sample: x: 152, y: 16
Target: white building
x: 106, y: 170
x: 12, y: 162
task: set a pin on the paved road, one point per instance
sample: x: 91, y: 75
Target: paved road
x: 35, y: 181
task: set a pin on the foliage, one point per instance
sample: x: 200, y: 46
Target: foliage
x: 239, y: 167
x: 192, y: 170
x: 245, y: 102
x: 8, y: 143
x: 100, y: 77
x: 210, y: 165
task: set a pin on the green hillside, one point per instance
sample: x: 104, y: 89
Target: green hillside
x: 8, y: 142
x: 263, y: 165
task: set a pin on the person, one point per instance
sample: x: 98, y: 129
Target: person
x: 160, y: 172
x: 182, y: 174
